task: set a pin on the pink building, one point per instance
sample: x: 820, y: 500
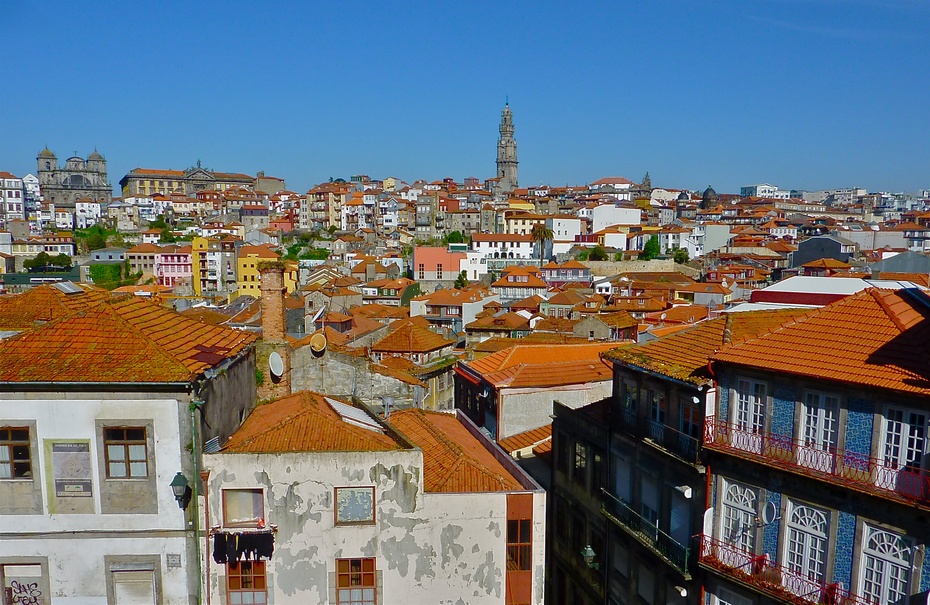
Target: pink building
x: 173, y: 266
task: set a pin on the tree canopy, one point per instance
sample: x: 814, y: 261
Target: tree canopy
x: 651, y: 250
x: 597, y: 253
x: 43, y: 261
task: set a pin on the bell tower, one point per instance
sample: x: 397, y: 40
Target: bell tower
x: 507, y: 152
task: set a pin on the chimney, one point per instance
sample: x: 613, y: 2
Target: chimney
x: 272, y: 286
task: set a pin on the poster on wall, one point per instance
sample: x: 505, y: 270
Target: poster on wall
x: 71, y: 469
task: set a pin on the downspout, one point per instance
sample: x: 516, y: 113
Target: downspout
x: 196, y: 404
x: 205, y: 476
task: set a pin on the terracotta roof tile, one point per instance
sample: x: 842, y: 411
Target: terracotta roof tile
x: 46, y: 303
x: 875, y: 338
x: 454, y: 461
x: 526, y: 439
x: 130, y: 340
x: 684, y: 355
x: 544, y: 365
x: 411, y: 338
x: 304, y: 422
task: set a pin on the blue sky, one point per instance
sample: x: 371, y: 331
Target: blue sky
x: 806, y: 94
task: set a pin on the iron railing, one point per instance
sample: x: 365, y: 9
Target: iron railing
x: 646, y: 531
x: 680, y: 444
x: 772, y: 579
x: 841, y: 467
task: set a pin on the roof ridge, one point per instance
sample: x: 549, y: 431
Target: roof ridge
x: 433, y: 430
x: 886, y: 309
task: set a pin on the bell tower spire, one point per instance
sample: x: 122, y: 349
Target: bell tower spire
x: 507, y: 152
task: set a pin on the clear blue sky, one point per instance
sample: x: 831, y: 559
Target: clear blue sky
x: 805, y: 94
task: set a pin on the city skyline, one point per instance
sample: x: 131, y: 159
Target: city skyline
x: 798, y: 93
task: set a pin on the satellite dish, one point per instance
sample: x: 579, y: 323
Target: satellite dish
x: 485, y: 391
x: 769, y: 513
x: 276, y: 364
x: 662, y: 317
x: 318, y: 344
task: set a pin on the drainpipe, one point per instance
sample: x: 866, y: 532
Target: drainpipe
x: 205, y: 476
x: 196, y: 404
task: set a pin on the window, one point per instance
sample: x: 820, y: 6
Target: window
x: 646, y: 584
x: 133, y: 586
x: 657, y: 407
x: 439, y: 271
x: 355, y: 582
x: 125, y: 451
x: 622, y: 474
x: 629, y: 396
x: 519, y: 544
x: 243, y: 507
x: 581, y: 463
x: 649, y: 495
x: 563, y: 447
x: 245, y: 583
x: 750, y: 415
x: 15, y: 458
x: 886, y: 564
x: 806, y: 548
x: 421, y: 270
x: 355, y: 505
x: 739, y: 515
x: 820, y: 427
x: 23, y: 583
x: 691, y: 418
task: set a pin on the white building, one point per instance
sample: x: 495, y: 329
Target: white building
x: 97, y: 417
x: 421, y: 508
x: 12, y: 199
x: 608, y: 215
x: 86, y: 213
x: 502, y: 245
x: 764, y: 190
x: 564, y: 231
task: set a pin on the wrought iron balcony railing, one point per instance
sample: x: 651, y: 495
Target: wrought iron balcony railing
x: 646, y: 531
x: 772, y: 579
x: 684, y: 446
x: 853, y: 470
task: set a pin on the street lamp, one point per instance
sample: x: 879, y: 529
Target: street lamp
x: 588, y: 554
x: 182, y: 490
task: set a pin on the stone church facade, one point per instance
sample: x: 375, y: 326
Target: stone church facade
x: 78, y: 179
x: 507, y: 153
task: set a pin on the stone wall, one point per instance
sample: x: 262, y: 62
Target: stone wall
x: 606, y: 268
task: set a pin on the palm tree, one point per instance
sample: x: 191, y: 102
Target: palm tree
x: 540, y: 234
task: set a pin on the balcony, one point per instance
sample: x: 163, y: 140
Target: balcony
x: 776, y: 581
x: 675, y: 442
x: 844, y: 468
x: 645, y: 531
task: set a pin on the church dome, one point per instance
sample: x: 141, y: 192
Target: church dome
x: 95, y: 156
x: 709, y: 199
x: 684, y: 197
x: 46, y: 153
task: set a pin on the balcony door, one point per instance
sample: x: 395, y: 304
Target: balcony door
x: 904, y: 450
x: 750, y: 416
x: 805, y: 549
x: 886, y: 567
x: 738, y: 530
x: 820, y: 426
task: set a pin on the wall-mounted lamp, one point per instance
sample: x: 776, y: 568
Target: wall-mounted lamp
x: 682, y: 591
x: 182, y: 490
x: 588, y: 554
x: 685, y: 490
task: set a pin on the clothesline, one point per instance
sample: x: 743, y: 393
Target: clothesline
x: 218, y: 529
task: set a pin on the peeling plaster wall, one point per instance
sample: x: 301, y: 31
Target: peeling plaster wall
x: 527, y: 409
x: 429, y: 548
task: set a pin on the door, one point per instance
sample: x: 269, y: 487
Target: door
x: 820, y: 425
x: 750, y: 416
x: 134, y: 587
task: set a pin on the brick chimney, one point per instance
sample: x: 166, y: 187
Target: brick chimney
x: 272, y: 286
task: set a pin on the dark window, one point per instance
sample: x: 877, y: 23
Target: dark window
x: 579, y: 474
x: 519, y: 544
x: 562, y: 452
x: 15, y: 458
x: 657, y: 406
x: 629, y: 396
x: 125, y: 449
x: 690, y: 419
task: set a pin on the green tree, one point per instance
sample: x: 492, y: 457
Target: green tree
x: 62, y: 260
x: 39, y: 262
x: 540, y: 234
x: 651, y: 249
x: 455, y: 237
x: 679, y: 254
x: 95, y: 241
x: 461, y: 281
x: 598, y: 253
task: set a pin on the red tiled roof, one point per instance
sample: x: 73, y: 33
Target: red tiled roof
x: 304, y: 422
x: 526, y: 439
x: 454, y: 461
x: 130, y: 340
x: 874, y: 338
x: 411, y: 338
x: 684, y: 354
x: 544, y: 365
x: 46, y: 303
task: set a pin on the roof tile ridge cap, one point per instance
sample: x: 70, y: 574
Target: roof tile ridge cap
x: 140, y: 302
x: 880, y: 300
x: 482, y: 468
x: 438, y: 434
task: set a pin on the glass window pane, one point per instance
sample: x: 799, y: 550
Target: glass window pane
x: 248, y: 598
x: 117, y: 469
x: 5, y: 470
x: 137, y: 452
x: 20, y: 435
x: 113, y: 434
x: 137, y: 434
x: 137, y: 469
x: 4, y: 454
x: 116, y: 452
x: 525, y: 530
x: 235, y: 598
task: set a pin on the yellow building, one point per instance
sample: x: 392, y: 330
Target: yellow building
x: 247, y: 273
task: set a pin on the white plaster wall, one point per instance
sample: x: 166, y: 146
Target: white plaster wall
x: 430, y: 548
x: 76, y: 544
x: 608, y: 215
x: 531, y: 408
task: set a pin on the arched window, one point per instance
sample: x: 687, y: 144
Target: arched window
x: 739, y: 516
x: 886, y: 567
x: 806, y: 546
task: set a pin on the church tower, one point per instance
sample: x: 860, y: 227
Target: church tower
x: 507, y: 153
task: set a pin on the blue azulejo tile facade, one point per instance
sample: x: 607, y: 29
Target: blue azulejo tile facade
x: 845, y: 545
x: 860, y: 417
x: 783, y: 404
x: 770, y: 531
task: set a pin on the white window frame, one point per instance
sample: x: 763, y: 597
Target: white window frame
x: 739, y: 513
x: 903, y: 439
x: 748, y: 413
x: 806, y: 547
x: 819, y: 431
x: 880, y: 572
